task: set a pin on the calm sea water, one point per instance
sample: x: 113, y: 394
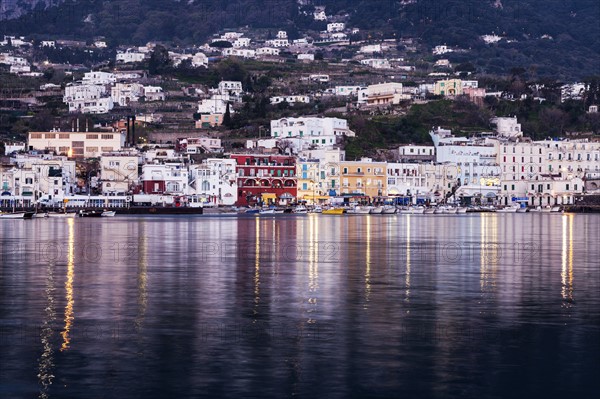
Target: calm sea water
x: 310, y: 306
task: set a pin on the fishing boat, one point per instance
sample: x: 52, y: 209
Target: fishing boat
x: 429, y: 211
x: 363, y: 210
x: 333, y: 211
x: 417, y: 210
x: 317, y: 209
x: 252, y: 211
x: 106, y: 214
x: 461, y: 209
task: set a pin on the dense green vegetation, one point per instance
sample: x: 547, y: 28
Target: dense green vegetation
x: 572, y: 50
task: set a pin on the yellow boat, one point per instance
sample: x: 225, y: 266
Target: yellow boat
x: 333, y: 211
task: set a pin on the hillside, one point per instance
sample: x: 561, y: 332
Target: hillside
x: 546, y: 37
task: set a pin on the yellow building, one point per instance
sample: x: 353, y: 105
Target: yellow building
x: 363, y: 177
x: 448, y: 87
x: 309, y: 184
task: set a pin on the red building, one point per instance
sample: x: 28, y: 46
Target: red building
x: 265, y: 179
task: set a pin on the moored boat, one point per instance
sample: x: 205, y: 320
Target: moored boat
x: 108, y: 214
x: 377, y: 210
x: 333, y: 211
x: 17, y: 215
x: 300, y: 209
x: 389, y: 209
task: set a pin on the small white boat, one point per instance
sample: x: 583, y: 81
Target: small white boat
x: 429, y: 211
x: 461, y: 209
x: 378, y: 210
x: 547, y: 208
x: 61, y: 215
x: 522, y: 209
x: 452, y: 210
x: 508, y: 209
x: 39, y: 215
x: 107, y: 214
x: 279, y: 210
x: 417, y: 210
x: 317, y: 209
x: 300, y: 209
x: 389, y: 209
x: 17, y: 215
x: 536, y: 209
x: 556, y: 209
x: 440, y: 210
x: 267, y: 211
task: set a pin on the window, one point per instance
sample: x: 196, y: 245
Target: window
x: 50, y: 135
x: 304, y: 186
x: 36, y: 135
x: 567, y: 187
x: 91, y: 137
x: 63, y: 136
x: 107, y: 136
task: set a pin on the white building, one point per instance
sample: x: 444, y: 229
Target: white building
x: 507, y: 127
x: 199, y: 60
x: 267, y: 51
x: 239, y: 52
x: 442, y: 49
x: 347, y: 90
x: 241, y: 42
x: 119, y: 173
x: 98, y: 78
x: 336, y: 27
x: 86, y: 98
x: 232, y: 88
x: 411, y: 179
x: 290, y: 99
x: 130, y: 56
x: 382, y: 94
x: 215, y: 181
x: 32, y: 177
x: 217, y: 104
x: 282, y: 34
x: 154, y: 93
x: 198, y: 145
x: 278, y: 43
x: 76, y: 144
x: 166, y: 178
x: 376, y: 63
x: 125, y: 93
x: 310, y: 132
x: 306, y: 57
x: 370, y: 48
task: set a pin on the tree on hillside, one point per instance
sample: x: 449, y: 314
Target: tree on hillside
x: 159, y: 60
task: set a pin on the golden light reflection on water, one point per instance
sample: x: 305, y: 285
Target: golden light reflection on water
x: 368, y: 262
x: 257, y: 266
x: 313, y: 266
x: 142, y: 276
x: 408, y: 260
x: 46, y: 362
x: 69, y: 315
x: 490, y: 251
x: 567, y: 259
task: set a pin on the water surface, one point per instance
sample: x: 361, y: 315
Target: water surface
x: 477, y: 305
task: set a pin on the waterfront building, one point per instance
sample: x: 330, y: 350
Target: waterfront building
x: 214, y: 181
x: 76, y: 144
x: 265, y: 179
x: 118, y: 173
x: 363, y: 177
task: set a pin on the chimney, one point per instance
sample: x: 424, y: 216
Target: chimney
x: 133, y: 138
x: 128, y: 137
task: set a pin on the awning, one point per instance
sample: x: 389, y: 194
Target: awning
x: 268, y: 196
x: 286, y: 196
x: 490, y: 195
